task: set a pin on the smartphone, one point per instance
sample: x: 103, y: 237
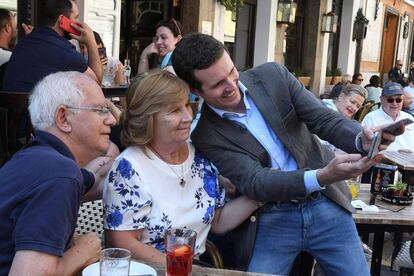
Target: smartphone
x: 373, y: 149
x: 65, y: 25
x: 102, y: 52
x: 395, y: 126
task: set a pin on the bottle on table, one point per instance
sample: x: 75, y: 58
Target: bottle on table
x: 127, y: 72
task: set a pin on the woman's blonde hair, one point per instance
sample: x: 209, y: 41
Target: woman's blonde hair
x: 145, y: 97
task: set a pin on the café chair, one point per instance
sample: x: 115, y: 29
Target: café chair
x: 90, y: 220
x: 404, y: 259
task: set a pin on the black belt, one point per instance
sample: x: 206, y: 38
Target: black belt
x: 312, y: 196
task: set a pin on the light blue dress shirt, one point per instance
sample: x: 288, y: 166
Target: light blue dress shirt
x: 254, y: 122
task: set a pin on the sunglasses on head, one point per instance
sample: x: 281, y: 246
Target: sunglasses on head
x: 397, y: 100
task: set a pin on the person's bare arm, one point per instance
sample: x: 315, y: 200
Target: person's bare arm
x: 100, y: 167
x: 232, y: 214
x: 119, y: 74
x: 131, y: 240
x: 88, y: 39
x: 84, y: 251
x: 143, y: 65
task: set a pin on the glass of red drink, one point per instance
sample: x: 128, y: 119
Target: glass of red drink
x: 179, y: 244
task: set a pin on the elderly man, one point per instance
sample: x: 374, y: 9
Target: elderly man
x: 408, y: 103
x: 258, y: 129
x: 47, y: 48
x: 390, y: 112
x: 41, y: 187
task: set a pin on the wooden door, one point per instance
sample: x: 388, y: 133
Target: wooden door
x: 389, y: 43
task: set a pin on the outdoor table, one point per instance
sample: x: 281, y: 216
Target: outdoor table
x: 204, y: 271
x: 400, y: 220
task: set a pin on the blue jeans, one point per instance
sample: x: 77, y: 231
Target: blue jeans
x: 320, y: 227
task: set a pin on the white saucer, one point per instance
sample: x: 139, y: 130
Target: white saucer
x: 134, y: 268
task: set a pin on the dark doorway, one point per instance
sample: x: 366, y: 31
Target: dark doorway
x: 293, y: 51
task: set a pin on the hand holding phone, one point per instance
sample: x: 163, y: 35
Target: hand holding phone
x: 397, y: 125
x: 374, y: 148
x: 65, y: 24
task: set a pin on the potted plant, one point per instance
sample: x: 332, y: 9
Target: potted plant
x: 360, y: 25
x: 398, y: 188
x: 336, y: 76
x: 328, y: 77
x: 302, y: 76
x: 231, y: 5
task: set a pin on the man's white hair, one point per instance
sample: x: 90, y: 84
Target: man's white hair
x: 62, y: 88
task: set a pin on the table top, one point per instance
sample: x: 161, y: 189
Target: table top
x: 201, y: 271
x: 384, y: 216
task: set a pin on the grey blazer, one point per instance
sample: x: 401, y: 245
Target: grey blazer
x: 295, y: 115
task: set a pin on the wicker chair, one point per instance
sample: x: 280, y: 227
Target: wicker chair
x: 404, y: 259
x: 90, y: 218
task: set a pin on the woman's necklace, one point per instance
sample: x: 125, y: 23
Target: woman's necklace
x: 181, y: 178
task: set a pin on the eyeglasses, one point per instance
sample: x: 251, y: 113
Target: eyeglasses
x: 360, y: 79
x: 397, y: 100
x: 102, y: 110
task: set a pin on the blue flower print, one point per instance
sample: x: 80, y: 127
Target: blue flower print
x: 125, y: 169
x: 208, y: 215
x: 114, y: 219
x: 210, y: 182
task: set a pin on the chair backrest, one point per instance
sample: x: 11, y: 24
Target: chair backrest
x: 365, y: 109
x: 90, y: 218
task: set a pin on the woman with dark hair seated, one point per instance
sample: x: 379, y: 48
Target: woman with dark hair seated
x: 374, y: 89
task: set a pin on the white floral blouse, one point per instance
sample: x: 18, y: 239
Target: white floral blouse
x: 142, y: 192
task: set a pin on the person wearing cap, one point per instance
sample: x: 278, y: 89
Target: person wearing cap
x: 390, y: 112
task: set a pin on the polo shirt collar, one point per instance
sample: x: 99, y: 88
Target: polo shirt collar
x: 48, y: 139
x: 388, y: 116
x: 225, y: 114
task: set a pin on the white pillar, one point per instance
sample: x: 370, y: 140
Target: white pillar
x: 265, y: 33
x: 346, y: 55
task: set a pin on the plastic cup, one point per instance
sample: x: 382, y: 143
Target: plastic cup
x: 114, y: 262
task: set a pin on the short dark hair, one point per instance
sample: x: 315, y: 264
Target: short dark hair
x: 195, y: 51
x: 374, y: 80
x: 174, y: 25
x: 98, y: 38
x: 50, y: 10
x: 5, y: 18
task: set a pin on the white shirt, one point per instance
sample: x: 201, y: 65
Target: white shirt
x: 143, y: 192
x: 379, y: 117
x: 4, y: 56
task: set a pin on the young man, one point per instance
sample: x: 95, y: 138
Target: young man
x: 47, y: 49
x: 42, y: 186
x: 257, y: 127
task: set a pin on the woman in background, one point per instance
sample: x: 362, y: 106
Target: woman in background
x: 168, y: 33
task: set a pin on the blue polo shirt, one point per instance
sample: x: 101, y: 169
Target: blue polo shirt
x: 37, y: 55
x: 40, y: 194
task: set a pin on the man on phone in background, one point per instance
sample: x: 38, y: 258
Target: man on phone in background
x: 8, y: 36
x: 390, y: 112
x: 47, y: 48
